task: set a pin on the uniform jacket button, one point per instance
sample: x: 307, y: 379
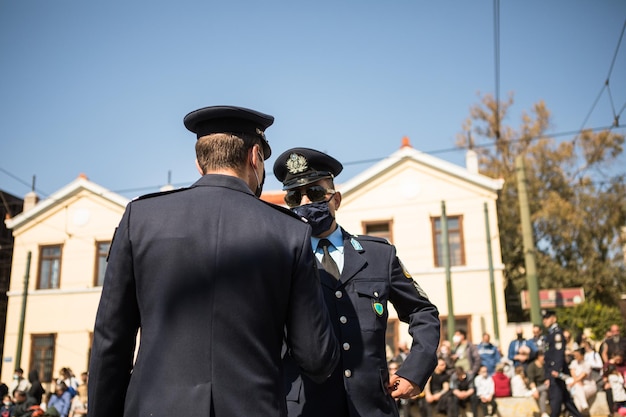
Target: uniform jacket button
x: 338, y: 294
x: 346, y: 346
x: 347, y: 373
x: 343, y: 319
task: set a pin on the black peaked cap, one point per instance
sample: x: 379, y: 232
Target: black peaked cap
x: 230, y: 119
x: 297, y: 167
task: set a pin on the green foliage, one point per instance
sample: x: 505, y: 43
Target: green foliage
x: 593, y: 315
x: 578, y: 210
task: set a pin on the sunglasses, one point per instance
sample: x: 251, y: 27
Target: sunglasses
x: 315, y: 194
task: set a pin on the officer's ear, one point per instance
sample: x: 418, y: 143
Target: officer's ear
x: 337, y: 197
x: 198, y: 167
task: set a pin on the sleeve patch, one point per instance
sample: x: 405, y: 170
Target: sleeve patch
x: 419, y: 290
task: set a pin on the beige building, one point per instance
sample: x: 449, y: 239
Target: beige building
x: 400, y: 198
x: 64, y: 240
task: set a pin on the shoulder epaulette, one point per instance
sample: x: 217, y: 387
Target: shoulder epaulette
x: 158, y: 193
x: 285, y: 210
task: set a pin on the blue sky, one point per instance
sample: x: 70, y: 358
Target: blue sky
x: 101, y: 88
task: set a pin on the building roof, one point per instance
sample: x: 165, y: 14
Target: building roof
x: 408, y: 153
x: 81, y: 183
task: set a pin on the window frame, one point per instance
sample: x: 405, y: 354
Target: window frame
x: 388, y: 235
x: 44, y: 362
x: 97, y: 282
x: 437, y: 234
x: 46, y: 258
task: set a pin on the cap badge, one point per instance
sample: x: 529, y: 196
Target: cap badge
x: 296, y: 164
x: 261, y: 134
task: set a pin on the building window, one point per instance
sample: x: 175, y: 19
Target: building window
x: 102, y: 250
x: 49, y: 267
x: 455, y: 240
x: 378, y: 229
x: 42, y: 355
x: 460, y: 322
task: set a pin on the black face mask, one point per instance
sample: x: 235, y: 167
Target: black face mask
x: 318, y: 216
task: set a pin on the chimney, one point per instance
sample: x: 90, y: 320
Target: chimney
x: 168, y: 186
x: 30, y: 200
x: 471, y: 161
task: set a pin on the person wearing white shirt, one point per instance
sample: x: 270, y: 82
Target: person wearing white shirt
x: 484, y: 391
x: 581, y: 386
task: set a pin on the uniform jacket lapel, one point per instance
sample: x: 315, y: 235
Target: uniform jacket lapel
x: 353, y: 261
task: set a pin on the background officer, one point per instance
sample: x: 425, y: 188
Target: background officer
x: 215, y: 278
x: 359, y: 275
x: 556, y: 368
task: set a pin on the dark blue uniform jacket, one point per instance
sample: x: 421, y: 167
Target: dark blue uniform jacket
x: 371, y: 276
x: 214, y: 278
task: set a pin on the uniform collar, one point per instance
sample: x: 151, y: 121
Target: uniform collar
x: 220, y: 180
x: 336, y: 238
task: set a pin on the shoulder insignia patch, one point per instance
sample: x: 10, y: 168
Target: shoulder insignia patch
x: 405, y: 271
x: 419, y: 290
x: 355, y: 244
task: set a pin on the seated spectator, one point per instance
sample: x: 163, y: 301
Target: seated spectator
x: 521, y: 351
x: 61, y: 399
x: 616, y: 359
x: 436, y: 392
x: 501, y: 382
x: 519, y: 383
x: 489, y: 354
x: 445, y: 353
x: 616, y: 381
x: 538, y: 382
x: 485, y: 390
x: 19, y: 382
x: 594, y: 360
x: 7, y: 406
x: 463, y: 391
x: 22, y: 404
x: 79, y: 402
x: 581, y: 385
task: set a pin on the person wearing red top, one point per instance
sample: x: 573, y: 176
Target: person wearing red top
x: 501, y: 382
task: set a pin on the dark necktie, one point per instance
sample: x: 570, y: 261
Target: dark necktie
x: 327, y: 261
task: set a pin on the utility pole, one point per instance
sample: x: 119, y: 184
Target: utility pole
x: 20, y: 333
x: 446, y: 263
x: 492, y: 285
x: 528, y: 241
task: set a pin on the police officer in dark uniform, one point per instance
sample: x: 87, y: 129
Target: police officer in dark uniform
x: 216, y: 280
x: 556, y: 368
x: 359, y: 275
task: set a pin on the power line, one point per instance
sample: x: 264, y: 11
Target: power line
x: 496, y: 37
x: 365, y: 161
x: 606, y: 85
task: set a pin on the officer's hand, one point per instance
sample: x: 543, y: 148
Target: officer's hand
x: 403, y: 388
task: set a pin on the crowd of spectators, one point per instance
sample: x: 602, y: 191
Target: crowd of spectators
x: 28, y: 398
x: 471, y: 376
